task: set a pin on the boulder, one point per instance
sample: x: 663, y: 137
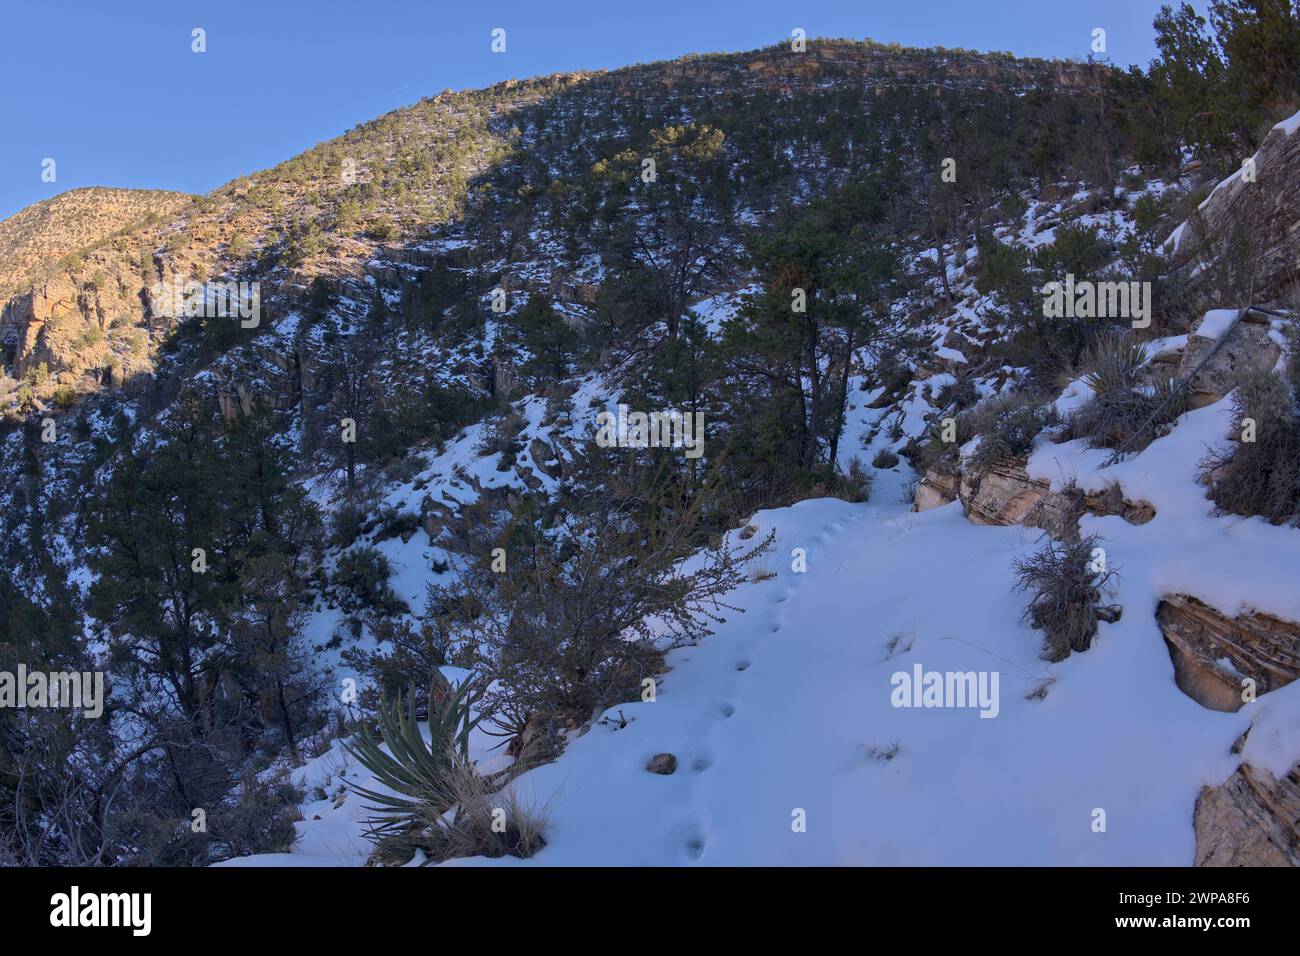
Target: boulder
x: 526, y: 475
x: 544, y: 458
x: 1248, y: 348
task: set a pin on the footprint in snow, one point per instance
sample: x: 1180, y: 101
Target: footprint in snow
x: 701, y: 761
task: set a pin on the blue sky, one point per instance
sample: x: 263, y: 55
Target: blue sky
x: 113, y: 93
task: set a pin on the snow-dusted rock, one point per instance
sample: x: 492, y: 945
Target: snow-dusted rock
x: 1249, y: 347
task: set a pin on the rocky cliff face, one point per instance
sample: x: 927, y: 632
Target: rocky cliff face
x: 80, y: 329
x: 1247, y: 231
x: 33, y: 240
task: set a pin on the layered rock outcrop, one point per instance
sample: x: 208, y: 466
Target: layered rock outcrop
x: 1253, y: 819
x: 1214, y: 654
x: 1005, y: 494
x: 936, y: 488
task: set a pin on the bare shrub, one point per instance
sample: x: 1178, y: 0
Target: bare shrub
x: 1260, y: 477
x: 259, y: 818
x: 595, y: 588
x: 1067, y: 581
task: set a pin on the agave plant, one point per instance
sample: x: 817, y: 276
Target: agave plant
x: 419, y: 774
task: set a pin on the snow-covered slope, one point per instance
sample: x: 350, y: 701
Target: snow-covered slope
x: 789, y: 744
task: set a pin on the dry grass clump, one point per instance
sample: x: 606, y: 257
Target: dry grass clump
x: 1129, y: 419
x: 486, y: 821
x: 884, y: 459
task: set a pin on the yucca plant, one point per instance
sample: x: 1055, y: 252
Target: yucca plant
x: 1113, y: 362
x: 419, y: 774
x: 1169, y: 399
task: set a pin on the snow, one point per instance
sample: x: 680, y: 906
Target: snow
x: 794, y: 730
x: 1077, y: 394
x: 1216, y: 322
x: 1290, y: 124
x: 716, y: 310
x: 1171, y: 244
x: 1271, y: 745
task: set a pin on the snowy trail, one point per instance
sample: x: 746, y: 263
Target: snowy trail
x: 777, y: 712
